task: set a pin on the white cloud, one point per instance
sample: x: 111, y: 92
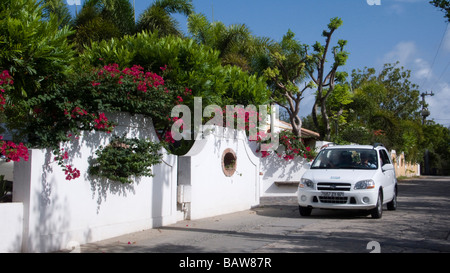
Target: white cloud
x: 397, y: 7
x: 438, y: 104
x: 402, y: 52
x: 422, y: 69
x: 408, y: 55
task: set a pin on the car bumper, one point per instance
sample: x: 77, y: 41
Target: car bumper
x: 356, y: 199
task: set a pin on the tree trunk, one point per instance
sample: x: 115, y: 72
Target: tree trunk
x: 326, y: 121
x: 296, y: 123
x: 314, y: 116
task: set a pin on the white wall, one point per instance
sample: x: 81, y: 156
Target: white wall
x: 58, y: 212
x: 212, y: 193
x: 11, y: 216
x: 275, y: 169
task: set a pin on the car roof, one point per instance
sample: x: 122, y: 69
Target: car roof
x: 354, y: 146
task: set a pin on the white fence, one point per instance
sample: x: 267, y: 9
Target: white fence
x: 220, y: 174
x: 57, y: 212
x: 281, y: 177
x: 11, y: 227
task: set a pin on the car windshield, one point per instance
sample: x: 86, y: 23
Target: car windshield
x: 346, y: 159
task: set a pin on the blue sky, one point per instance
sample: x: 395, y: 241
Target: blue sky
x: 410, y: 31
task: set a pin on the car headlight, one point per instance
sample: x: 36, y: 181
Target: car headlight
x: 304, y: 182
x: 365, y: 184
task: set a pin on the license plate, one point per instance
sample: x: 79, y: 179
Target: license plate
x: 333, y: 194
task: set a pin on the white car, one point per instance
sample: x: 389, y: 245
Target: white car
x: 349, y: 177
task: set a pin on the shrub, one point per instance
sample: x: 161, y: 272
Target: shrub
x: 124, y: 158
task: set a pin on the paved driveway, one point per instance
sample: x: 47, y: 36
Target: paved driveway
x: 421, y: 224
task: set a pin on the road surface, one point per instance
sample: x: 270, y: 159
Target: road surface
x: 420, y: 224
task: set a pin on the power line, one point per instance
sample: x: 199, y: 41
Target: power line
x: 435, y: 56
x: 445, y: 69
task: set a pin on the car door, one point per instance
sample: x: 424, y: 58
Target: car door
x: 388, y: 176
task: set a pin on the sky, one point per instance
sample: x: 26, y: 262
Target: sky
x: 413, y: 32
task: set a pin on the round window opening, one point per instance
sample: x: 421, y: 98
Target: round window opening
x: 229, y: 162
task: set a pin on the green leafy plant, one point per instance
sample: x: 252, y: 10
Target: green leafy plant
x: 34, y: 49
x: 189, y: 64
x: 125, y: 158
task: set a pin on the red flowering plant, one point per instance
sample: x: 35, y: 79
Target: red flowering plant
x: 9, y: 149
x: 133, y: 90
x: 243, y: 119
x: 6, y: 83
x: 290, y: 146
x: 294, y: 147
x: 80, y: 103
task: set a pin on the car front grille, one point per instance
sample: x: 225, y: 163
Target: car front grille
x: 328, y: 186
x: 333, y: 199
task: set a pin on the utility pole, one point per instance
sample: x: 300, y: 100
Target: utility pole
x: 425, y: 111
x: 212, y: 10
x: 425, y: 114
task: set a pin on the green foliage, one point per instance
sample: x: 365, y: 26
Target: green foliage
x: 337, y: 104
x: 385, y: 108
x: 236, y: 44
x: 285, y: 69
x: 58, y: 9
x: 188, y: 65
x: 102, y: 20
x: 326, y: 81
x: 436, y: 140
x: 35, y: 51
x: 334, y: 24
x: 125, y: 158
x: 157, y: 17
x: 444, y: 5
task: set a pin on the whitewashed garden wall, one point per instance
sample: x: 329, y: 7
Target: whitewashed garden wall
x: 281, y: 177
x: 49, y: 213
x: 57, y: 213
x: 208, y: 190
x: 11, y: 226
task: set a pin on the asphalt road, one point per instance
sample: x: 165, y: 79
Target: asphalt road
x: 421, y: 224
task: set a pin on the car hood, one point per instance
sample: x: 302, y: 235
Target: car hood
x: 339, y: 175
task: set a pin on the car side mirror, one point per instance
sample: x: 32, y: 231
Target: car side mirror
x: 307, y: 165
x: 387, y: 167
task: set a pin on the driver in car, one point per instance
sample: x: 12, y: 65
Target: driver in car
x: 365, y: 161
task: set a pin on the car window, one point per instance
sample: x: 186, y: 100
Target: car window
x: 384, y: 158
x: 346, y: 159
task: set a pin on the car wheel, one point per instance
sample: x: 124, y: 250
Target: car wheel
x: 377, y: 212
x: 305, y: 211
x: 393, y: 204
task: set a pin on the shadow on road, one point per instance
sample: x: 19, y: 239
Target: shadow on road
x: 420, y: 224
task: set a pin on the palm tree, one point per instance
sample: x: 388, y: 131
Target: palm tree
x: 157, y: 17
x: 59, y: 9
x: 102, y: 20
x: 236, y: 44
